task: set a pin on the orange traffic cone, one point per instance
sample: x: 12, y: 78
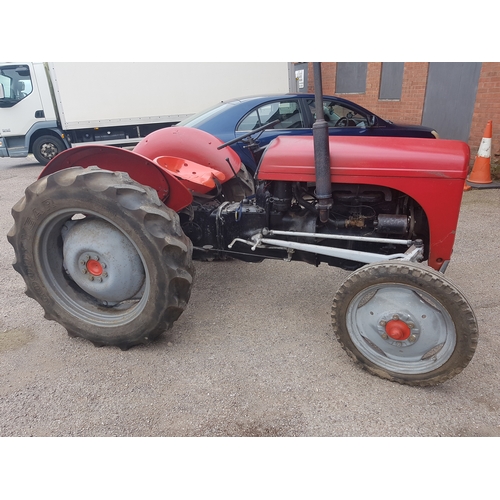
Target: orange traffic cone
x: 481, y: 171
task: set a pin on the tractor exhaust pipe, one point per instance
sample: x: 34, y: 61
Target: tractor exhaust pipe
x: 321, y: 150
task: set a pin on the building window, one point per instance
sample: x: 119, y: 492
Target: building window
x: 351, y: 78
x: 391, y: 82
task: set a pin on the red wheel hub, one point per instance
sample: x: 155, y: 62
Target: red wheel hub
x: 397, y: 330
x: 94, y: 267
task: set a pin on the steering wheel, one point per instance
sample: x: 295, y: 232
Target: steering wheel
x: 342, y: 122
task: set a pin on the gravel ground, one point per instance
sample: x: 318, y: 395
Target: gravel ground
x: 249, y: 357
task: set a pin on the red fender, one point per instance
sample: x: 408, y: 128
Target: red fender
x: 172, y: 161
x: 142, y: 170
x: 191, y: 144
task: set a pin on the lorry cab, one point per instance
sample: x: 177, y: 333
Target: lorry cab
x: 27, y: 112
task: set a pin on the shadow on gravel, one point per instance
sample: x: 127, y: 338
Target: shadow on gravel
x: 24, y: 165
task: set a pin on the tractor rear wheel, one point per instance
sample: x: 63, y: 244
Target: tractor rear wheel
x: 102, y: 255
x: 405, y: 322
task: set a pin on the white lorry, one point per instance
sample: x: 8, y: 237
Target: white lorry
x: 48, y: 107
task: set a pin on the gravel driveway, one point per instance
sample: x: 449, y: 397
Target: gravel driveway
x: 249, y: 357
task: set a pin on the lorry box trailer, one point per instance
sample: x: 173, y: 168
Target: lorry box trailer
x: 48, y: 107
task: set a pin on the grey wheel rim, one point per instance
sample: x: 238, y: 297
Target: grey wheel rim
x: 49, y: 258
x: 430, y: 332
x: 48, y: 150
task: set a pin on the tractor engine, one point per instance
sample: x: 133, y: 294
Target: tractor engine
x: 289, y: 211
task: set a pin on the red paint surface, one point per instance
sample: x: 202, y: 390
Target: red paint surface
x: 432, y: 172
x: 191, y: 144
x: 170, y: 190
x: 398, y: 330
x: 94, y: 267
x: 193, y: 175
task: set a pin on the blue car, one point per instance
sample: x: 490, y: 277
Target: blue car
x: 296, y: 114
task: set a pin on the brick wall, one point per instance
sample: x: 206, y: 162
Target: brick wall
x: 409, y: 108
x: 487, y: 108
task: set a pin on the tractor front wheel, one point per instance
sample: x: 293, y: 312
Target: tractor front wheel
x: 102, y: 255
x: 405, y: 322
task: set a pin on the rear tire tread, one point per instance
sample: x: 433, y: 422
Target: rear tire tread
x: 141, y: 202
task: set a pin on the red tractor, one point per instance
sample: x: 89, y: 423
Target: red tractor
x: 105, y: 238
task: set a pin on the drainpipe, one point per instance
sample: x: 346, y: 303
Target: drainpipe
x: 321, y: 150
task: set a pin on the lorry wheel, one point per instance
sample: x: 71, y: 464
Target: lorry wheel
x: 405, y: 322
x: 102, y: 255
x: 47, y: 147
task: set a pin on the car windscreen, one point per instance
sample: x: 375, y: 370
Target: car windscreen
x: 198, y: 118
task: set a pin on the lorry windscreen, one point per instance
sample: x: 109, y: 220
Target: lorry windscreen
x: 15, y: 84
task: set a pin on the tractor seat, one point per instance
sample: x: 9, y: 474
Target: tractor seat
x: 194, y: 176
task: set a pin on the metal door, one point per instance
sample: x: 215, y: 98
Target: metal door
x: 450, y: 98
